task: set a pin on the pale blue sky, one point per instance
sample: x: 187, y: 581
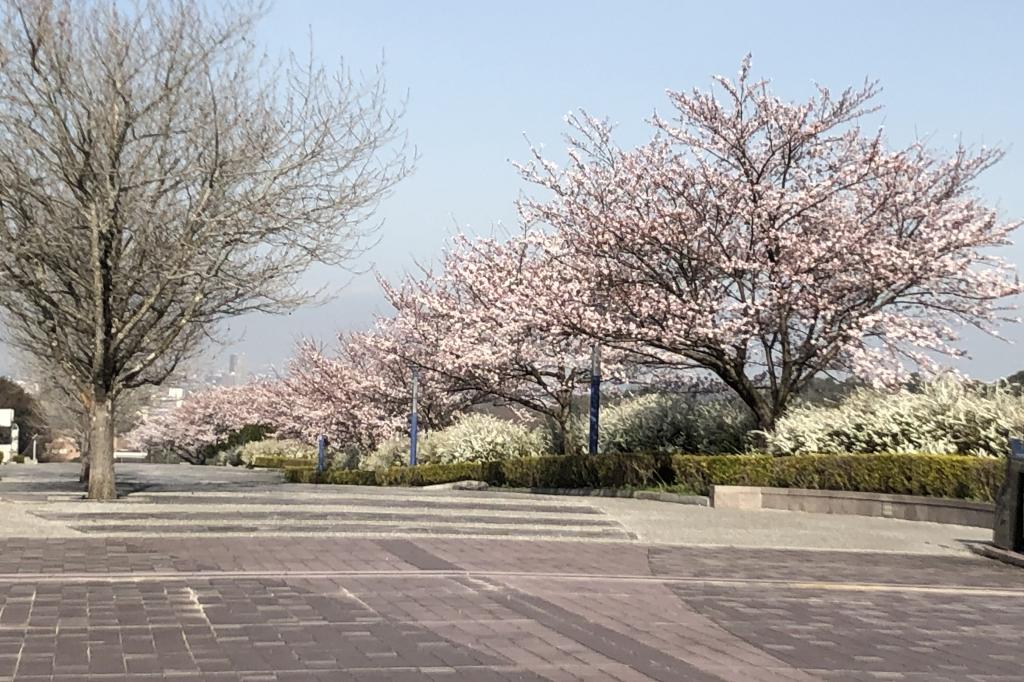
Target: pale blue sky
x: 480, y: 74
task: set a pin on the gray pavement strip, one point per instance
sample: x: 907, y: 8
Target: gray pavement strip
x: 366, y: 500
x: 415, y: 555
x: 369, y: 529
x: 314, y: 516
x: 643, y: 658
x: 425, y: 568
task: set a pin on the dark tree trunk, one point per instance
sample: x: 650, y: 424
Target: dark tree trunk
x: 83, y: 451
x: 101, y: 448
x: 561, y: 426
x: 83, y: 475
x: 765, y: 410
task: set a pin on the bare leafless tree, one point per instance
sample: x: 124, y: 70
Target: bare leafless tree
x: 159, y: 174
x: 67, y: 409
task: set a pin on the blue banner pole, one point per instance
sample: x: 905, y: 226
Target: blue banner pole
x: 413, y: 420
x: 595, y: 398
x: 321, y: 454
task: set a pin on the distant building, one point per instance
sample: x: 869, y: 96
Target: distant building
x: 237, y: 372
x: 9, y: 437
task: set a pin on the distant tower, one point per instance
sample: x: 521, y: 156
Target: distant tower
x: 237, y: 373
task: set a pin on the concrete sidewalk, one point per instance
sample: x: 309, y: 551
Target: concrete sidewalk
x: 46, y: 501
x: 218, y: 575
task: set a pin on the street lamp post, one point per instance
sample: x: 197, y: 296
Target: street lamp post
x: 413, y: 425
x: 595, y: 397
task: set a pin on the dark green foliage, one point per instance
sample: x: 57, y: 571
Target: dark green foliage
x: 584, y: 471
x: 302, y: 475
x: 307, y: 474
x: 280, y: 462
x: 350, y: 477
x: 247, y: 434
x: 425, y: 474
x: 698, y: 473
x: 235, y: 439
x: 952, y: 476
x: 430, y: 474
x: 162, y: 456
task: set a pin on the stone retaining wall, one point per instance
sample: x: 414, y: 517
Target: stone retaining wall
x: 908, y: 507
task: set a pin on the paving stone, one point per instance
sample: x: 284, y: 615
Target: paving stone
x: 272, y: 608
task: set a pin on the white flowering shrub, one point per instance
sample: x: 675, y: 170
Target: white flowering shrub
x: 272, y: 447
x: 472, y: 438
x: 657, y: 422
x: 392, y: 452
x: 944, y: 416
x: 481, y: 438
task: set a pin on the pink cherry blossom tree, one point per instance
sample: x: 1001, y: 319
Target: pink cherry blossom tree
x: 360, y: 395
x: 766, y: 242
x: 467, y: 322
x: 204, y: 419
x: 357, y: 396
x: 318, y: 394
x: 383, y: 371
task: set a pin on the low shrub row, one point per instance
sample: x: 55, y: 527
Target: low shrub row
x: 972, y: 478
x: 425, y: 474
x: 952, y: 476
x: 280, y: 462
x: 308, y: 474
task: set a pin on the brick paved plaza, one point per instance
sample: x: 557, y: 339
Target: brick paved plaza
x: 243, y: 579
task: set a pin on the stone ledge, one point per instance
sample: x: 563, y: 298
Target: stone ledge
x: 457, y: 485
x: 654, y: 495
x: 906, y: 507
x: 990, y: 551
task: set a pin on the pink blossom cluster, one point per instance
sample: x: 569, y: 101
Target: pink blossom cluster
x: 467, y: 322
x: 752, y: 240
x: 204, y: 419
x: 766, y: 242
x: 357, y: 397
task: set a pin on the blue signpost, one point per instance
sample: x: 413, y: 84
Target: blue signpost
x: 595, y: 398
x: 413, y: 425
x: 321, y: 454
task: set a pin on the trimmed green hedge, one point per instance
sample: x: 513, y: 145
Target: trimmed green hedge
x: 304, y: 475
x: 280, y: 462
x: 307, y: 474
x: 351, y: 477
x: 952, y: 476
x: 431, y: 474
x: 584, y: 471
x: 961, y: 477
x: 425, y: 474
x: 698, y: 473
